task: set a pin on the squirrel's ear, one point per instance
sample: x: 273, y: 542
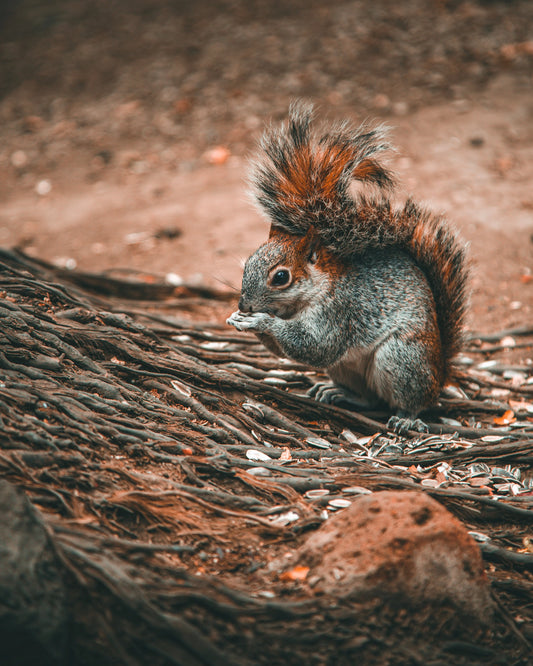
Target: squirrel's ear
x: 277, y: 232
x: 311, y: 241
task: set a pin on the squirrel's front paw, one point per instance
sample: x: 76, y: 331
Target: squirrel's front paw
x: 331, y: 394
x: 253, y: 321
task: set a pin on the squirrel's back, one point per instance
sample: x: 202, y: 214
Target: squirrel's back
x: 302, y: 182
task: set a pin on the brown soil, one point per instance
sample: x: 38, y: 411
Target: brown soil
x: 125, y: 127
x: 118, y: 106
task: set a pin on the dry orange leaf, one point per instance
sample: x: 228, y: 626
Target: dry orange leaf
x: 218, y: 155
x: 286, y: 454
x: 298, y: 573
x: 441, y: 478
x: 505, y: 419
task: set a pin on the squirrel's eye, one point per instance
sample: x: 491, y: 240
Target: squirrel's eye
x: 280, y: 278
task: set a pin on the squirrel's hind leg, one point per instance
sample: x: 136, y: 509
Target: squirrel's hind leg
x: 402, y: 423
x: 406, y: 372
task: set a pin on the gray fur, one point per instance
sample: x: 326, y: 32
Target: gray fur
x: 354, y: 328
x: 387, y: 325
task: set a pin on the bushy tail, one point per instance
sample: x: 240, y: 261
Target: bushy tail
x: 439, y: 252
x: 302, y: 180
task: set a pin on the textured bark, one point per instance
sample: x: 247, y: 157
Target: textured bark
x: 167, y: 464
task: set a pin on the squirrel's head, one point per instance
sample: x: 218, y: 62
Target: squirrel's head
x: 285, y: 274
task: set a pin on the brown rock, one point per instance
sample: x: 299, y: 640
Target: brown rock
x: 404, y: 544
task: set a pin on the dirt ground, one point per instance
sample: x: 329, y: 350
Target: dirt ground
x: 126, y: 127
x: 125, y: 133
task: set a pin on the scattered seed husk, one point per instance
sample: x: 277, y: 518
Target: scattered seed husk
x: 252, y: 454
x: 180, y: 387
x: 214, y: 346
x: 318, y: 442
x: 317, y: 493
x: 285, y: 518
x: 259, y: 471
x: 430, y: 483
x: 356, y: 490
x: 339, y: 503
x: 253, y: 409
x: 479, y: 537
x: 275, y: 381
x: 451, y: 422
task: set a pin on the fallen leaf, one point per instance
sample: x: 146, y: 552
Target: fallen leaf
x: 505, y: 419
x: 286, y: 454
x: 218, y: 155
x: 503, y: 164
x: 298, y: 573
x: 183, y: 105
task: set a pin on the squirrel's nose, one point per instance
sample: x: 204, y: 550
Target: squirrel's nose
x: 244, y: 306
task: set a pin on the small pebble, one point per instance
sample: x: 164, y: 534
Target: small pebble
x: 174, y: 279
x: 381, y: 102
x: 19, y: 159
x: 508, y: 341
x: 400, y: 108
x: 43, y: 187
x: 477, y: 141
x: 218, y: 155
x: 66, y: 262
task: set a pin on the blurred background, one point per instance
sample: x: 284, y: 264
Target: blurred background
x: 126, y: 125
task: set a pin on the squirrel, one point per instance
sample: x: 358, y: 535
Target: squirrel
x: 375, y: 296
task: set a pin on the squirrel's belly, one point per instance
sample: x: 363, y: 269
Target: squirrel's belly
x: 352, y: 371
